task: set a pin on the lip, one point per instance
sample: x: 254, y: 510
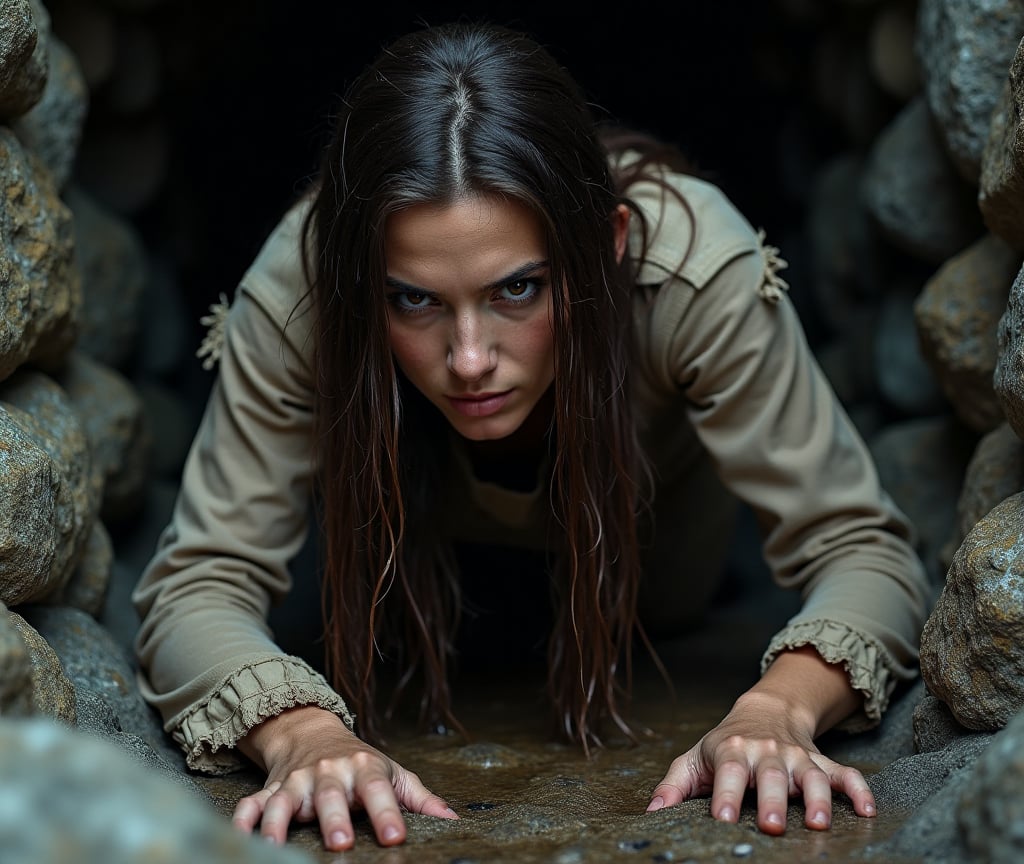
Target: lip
x: 480, y: 404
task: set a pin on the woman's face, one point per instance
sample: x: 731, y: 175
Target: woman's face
x: 469, y: 310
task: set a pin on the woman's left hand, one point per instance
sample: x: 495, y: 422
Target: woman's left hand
x: 764, y: 743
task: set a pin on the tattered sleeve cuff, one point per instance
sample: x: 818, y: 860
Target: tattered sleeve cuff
x: 872, y: 669
x: 209, y: 730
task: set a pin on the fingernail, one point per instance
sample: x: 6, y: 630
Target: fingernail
x: 774, y: 819
x: 449, y: 810
x: 869, y: 809
x: 339, y: 838
x: 820, y: 819
x: 391, y: 832
x: 657, y: 802
x: 727, y: 814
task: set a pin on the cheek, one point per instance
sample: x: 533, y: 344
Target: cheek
x: 412, y: 353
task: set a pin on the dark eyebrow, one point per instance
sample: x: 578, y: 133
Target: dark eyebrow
x: 528, y: 269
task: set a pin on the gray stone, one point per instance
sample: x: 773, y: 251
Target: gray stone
x: 1001, y: 188
x: 111, y: 412
x: 23, y: 55
x: 69, y: 796
x: 992, y: 806
x: 927, y: 787
x: 847, y: 256
x: 964, y: 48
x: 957, y: 317
x: 53, y: 695
x: 112, y: 260
x: 923, y: 206
x: 972, y: 645
x: 1008, y: 378
x: 93, y: 660
x: 921, y: 464
x: 40, y: 292
x: 935, y: 727
x: 15, y: 670
x: 995, y: 472
x: 87, y: 587
x: 891, y: 50
x: 52, y: 129
x: 906, y: 383
x: 49, y: 493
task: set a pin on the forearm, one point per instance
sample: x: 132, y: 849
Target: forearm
x: 801, y: 685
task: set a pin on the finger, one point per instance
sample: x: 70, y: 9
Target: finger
x: 851, y: 782
x: 773, y: 787
x: 417, y: 798
x: 684, y: 780
x: 374, y: 789
x: 330, y: 801
x: 732, y: 778
x: 249, y: 809
x: 278, y: 813
x: 817, y: 789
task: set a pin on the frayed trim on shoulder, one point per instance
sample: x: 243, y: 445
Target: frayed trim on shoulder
x: 213, y: 343
x: 773, y: 286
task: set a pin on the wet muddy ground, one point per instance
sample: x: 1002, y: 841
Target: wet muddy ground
x: 523, y: 797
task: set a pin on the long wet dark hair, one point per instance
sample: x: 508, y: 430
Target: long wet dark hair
x: 445, y: 113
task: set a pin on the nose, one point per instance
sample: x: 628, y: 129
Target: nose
x: 471, y: 352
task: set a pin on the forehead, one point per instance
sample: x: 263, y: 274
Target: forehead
x: 482, y: 231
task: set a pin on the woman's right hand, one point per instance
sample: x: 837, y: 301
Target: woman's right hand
x: 318, y: 769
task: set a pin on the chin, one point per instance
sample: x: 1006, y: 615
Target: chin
x: 484, y: 430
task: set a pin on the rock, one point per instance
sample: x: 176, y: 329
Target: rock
x: 921, y: 464
x: 923, y: 207
x: 964, y: 48
x: 111, y: 412
x: 1008, y: 379
x: 935, y: 727
x: 957, y: 318
x: 52, y: 129
x: 52, y: 693
x: 995, y: 472
x: 49, y: 492
x: 891, y: 50
x: 87, y: 587
x: 992, y: 805
x: 1001, y: 188
x: 112, y: 260
x: 15, y: 670
x: 92, y: 660
x: 928, y: 787
x: 906, y: 383
x: 40, y: 292
x: 972, y: 645
x: 847, y: 254
x: 68, y: 790
x: 24, y: 55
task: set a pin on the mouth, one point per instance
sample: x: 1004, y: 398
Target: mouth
x: 480, y: 404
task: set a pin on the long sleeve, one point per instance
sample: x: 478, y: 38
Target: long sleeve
x: 208, y: 659
x: 727, y: 340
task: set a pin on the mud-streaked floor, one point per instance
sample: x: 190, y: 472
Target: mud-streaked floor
x: 524, y: 798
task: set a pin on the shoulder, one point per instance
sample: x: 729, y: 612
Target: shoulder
x: 694, y: 229
x: 272, y: 296
x: 275, y: 278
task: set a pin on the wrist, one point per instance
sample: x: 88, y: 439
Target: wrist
x: 808, y: 689
x: 265, y: 742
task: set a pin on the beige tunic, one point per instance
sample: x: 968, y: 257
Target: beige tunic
x: 723, y: 376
